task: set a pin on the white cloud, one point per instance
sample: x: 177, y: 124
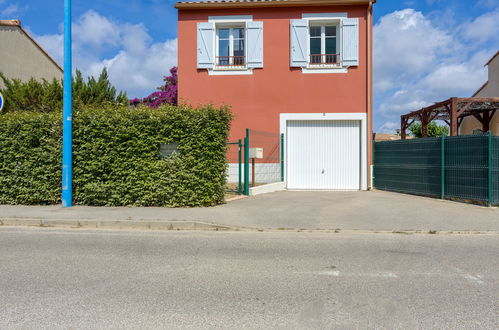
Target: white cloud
x: 483, y: 28
x: 11, y: 10
x: 419, y: 62
x: 135, y: 63
x: 405, y: 44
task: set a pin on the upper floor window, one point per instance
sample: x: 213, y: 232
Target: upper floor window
x: 231, y: 50
x: 323, y: 44
x: 230, y: 45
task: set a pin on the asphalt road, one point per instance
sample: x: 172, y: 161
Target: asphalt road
x: 124, y: 279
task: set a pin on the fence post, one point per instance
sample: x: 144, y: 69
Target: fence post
x: 442, y: 157
x: 240, y: 166
x: 282, y: 157
x: 246, y: 163
x: 373, y: 147
x: 489, y: 170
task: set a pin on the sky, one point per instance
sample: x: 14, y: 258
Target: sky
x: 424, y: 50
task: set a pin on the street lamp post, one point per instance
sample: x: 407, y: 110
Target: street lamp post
x: 67, y: 119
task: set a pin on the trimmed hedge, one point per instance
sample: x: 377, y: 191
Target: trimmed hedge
x: 116, y: 156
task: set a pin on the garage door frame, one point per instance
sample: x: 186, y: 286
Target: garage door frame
x: 362, y: 117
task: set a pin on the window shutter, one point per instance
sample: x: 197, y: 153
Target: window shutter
x: 299, y: 43
x: 255, y: 44
x: 350, y: 42
x: 206, y: 40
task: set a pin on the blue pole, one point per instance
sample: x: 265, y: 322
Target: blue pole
x: 67, y: 124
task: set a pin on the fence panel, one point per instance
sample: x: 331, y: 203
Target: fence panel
x: 466, y: 167
x: 495, y: 170
x: 267, y: 169
x: 469, y: 164
x: 234, y: 167
x: 411, y: 166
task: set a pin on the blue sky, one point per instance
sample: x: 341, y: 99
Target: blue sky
x: 425, y: 50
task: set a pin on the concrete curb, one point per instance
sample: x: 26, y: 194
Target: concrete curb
x: 117, y: 224
x: 179, y: 225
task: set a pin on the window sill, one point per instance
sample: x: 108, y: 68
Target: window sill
x: 230, y: 71
x: 324, y: 68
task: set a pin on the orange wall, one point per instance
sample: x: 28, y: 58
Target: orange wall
x: 258, y: 99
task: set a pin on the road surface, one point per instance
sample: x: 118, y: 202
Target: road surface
x: 54, y: 278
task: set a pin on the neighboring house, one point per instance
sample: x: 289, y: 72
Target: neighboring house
x: 21, y: 57
x: 471, y: 125
x: 297, y: 67
x: 388, y: 137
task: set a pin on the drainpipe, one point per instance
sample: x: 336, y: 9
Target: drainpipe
x: 369, y: 92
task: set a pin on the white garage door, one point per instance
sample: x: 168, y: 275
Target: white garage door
x: 323, y: 154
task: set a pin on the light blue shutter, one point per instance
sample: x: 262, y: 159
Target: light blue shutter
x: 206, y: 41
x: 255, y: 44
x: 299, y: 43
x: 350, y: 42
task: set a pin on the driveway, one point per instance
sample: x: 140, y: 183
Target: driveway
x: 369, y: 211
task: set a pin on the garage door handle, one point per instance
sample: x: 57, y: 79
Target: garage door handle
x: 323, y: 171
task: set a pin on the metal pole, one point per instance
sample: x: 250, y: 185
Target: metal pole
x: 246, y: 166
x: 240, y: 169
x: 252, y: 172
x: 489, y: 169
x: 282, y: 157
x: 443, y: 166
x: 67, y: 124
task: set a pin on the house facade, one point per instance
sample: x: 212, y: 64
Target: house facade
x: 296, y: 67
x: 21, y: 57
x: 471, y: 125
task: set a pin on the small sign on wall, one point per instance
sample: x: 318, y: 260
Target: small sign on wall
x: 256, y: 153
x: 167, y: 149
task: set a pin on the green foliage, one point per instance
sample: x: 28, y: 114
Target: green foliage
x: 44, y: 96
x: 434, y: 130
x: 116, y: 156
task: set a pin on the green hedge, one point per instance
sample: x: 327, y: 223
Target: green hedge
x: 116, y: 156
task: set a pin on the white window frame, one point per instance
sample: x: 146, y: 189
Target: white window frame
x: 231, y: 28
x: 230, y: 22
x: 325, y: 19
x: 323, y: 25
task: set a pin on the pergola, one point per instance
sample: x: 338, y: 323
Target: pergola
x: 452, y: 111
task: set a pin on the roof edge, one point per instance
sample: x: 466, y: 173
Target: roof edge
x: 41, y: 49
x: 480, y: 89
x: 10, y: 22
x: 272, y: 3
x: 493, y: 57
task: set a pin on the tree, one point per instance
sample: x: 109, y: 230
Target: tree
x: 433, y: 129
x: 46, y: 96
x: 166, y: 94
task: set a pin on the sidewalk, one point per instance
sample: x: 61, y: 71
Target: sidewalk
x: 341, y: 211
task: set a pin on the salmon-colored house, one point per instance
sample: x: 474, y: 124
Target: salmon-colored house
x: 302, y: 68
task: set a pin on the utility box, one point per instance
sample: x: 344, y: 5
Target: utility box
x: 256, y: 153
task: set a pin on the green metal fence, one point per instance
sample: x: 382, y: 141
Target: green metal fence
x: 459, y: 167
x: 235, y: 152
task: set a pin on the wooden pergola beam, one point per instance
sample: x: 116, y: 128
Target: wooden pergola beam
x: 452, y: 112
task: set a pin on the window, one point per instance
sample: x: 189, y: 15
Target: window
x: 323, y: 45
x: 231, y: 46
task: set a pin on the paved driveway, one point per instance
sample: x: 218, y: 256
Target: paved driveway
x: 371, y: 211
